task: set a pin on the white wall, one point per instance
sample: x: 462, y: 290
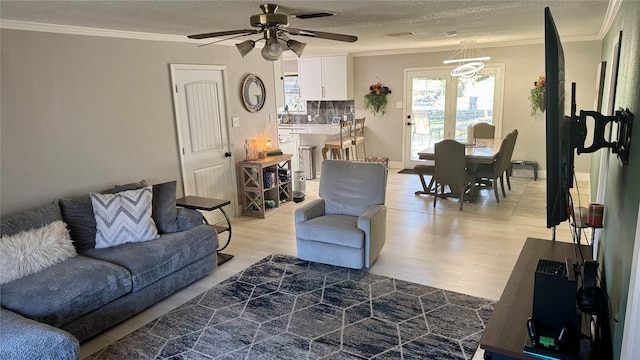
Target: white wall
x: 83, y: 113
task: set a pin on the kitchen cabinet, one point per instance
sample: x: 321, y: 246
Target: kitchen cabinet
x: 326, y: 77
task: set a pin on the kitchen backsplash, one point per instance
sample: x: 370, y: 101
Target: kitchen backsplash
x: 321, y: 112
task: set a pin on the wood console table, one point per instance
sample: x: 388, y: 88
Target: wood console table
x: 266, y: 185
x: 209, y: 204
x: 506, y: 331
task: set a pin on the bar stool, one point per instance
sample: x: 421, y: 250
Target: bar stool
x: 358, y: 137
x: 343, y: 142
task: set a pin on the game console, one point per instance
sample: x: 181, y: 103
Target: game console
x: 554, y: 327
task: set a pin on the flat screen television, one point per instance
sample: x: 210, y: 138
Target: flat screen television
x: 559, y: 149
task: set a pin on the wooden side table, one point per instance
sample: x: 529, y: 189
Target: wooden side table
x: 209, y: 204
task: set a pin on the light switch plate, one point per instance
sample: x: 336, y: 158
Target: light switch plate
x: 398, y: 104
x: 235, y: 121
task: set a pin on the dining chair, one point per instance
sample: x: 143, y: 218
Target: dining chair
x: 509, y: 155
x: 495, y: 170
x: 422, y: 127
x: 358, y: 137
x: 451, y: 169
x: 340, y: 144
x: 427, y: 168
x: 484, y: 131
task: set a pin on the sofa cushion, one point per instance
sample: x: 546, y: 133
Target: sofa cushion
x: 33, y: 250
x: 66, y: 290
x: 165, y: 213
x: 78, y: 214
x: 334, y: 229
x: 22, y: 338
x: 123, y: 217
x: 30, y: 219
x: 153, y: 260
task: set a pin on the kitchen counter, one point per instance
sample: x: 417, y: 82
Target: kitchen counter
x: 312, y: 129
x: 309, y: 134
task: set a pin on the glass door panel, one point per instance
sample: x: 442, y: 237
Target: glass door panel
x: 474, y: 103
x: 427, y: 112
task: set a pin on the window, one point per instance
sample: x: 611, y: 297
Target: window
x: 292, y: 94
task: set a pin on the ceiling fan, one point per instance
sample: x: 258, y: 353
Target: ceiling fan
x: 275, y: 30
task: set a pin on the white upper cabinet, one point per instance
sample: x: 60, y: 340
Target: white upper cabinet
x: 326, y: 77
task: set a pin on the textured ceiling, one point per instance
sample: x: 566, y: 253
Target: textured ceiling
x: 487, y: 22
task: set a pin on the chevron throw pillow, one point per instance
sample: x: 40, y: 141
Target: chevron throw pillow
x: 123, y: 217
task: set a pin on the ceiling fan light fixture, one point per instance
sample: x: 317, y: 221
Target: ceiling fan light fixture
x: 245, y: 47
x: 275, y: 30
x: 296, y: 46
x: 272, y: 49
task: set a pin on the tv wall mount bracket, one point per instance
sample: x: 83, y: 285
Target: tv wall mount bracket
x: 623, y: 118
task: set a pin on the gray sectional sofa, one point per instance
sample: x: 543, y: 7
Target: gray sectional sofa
x: 46, y: 314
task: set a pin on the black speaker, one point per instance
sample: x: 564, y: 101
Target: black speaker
x: 590, y: 298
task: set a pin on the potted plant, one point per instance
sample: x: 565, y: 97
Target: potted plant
x: 376, y: 99
x: 536, y: 98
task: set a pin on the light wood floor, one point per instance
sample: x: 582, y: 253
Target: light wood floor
x: 471, y: 252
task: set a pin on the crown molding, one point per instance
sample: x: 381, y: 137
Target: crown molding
x: 86, y: 31
x: 482, y: 45
x: 609, y: 17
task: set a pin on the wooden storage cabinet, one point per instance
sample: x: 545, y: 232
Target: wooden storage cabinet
x: 266, y: 185
x: 326, y: 77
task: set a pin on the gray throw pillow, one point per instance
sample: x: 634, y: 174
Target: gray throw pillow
x: 165, y: 213
x: 131, y: 186
x: 78, y: 214
x: 30, y: 219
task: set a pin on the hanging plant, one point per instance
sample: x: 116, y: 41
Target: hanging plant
x: 536, y: 98
x: 376, y: 98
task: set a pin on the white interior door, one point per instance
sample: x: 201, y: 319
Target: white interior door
x: 203, y: 137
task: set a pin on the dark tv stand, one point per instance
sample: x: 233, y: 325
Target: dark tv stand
x: 506, y: 332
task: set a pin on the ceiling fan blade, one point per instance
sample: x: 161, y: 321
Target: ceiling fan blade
x: 321, y: 35
x: 225, y: 39
x: 223, y: 33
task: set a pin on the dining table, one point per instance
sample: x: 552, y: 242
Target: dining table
x: 483, y: 151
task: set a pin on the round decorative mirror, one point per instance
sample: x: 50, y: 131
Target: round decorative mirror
x: 253, y: 93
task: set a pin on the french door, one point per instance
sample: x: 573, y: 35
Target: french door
x: 440, y: 106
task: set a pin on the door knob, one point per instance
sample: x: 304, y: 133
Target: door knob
x: 227, y: 154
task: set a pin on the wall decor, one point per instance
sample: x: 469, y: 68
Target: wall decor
x: 253, y: 93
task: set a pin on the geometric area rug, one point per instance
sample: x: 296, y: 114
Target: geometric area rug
x: 285, y: 308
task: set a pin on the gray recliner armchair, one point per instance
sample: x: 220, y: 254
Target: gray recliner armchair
x: 347, y: 225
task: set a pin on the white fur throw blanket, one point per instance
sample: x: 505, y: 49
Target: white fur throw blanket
x: 31, y: 251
